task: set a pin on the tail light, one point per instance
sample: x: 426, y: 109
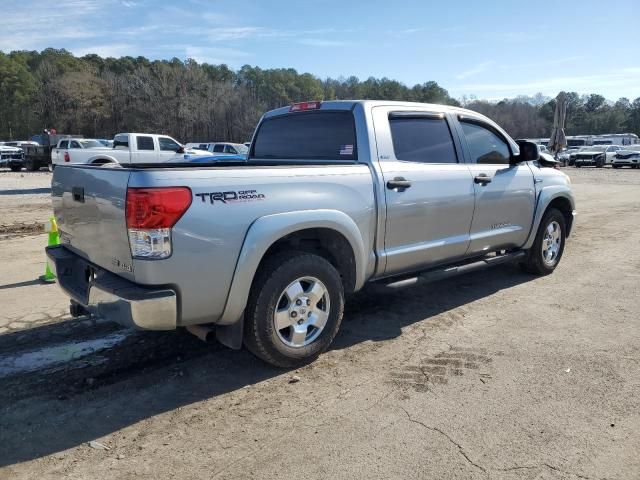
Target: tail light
x: 151, y: 213
x: 67, y: 158
x: 303, y: 106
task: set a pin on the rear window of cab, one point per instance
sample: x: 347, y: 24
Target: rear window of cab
x: 318, y: 135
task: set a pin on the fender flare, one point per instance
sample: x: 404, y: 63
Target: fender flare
x: 267, y: 230
x: 545, y: 197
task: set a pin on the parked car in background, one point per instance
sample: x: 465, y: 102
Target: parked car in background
x: 61, y: 153
x: 222, y: 148
x: 197, y: 146
x: 127, y: 148
x: 596, y: 156
x: 334, y: 195
x: 37, y: 154
x: 247, y: 144
x: 21, y: 143
x: 105, y: 142
x: 11, y: 157
x: 628, y: 156
x: 565, y: 156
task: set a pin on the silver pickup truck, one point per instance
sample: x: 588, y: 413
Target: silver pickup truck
x: 333, y: 195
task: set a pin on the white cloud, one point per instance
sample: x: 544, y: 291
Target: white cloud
x: 214, y: 55
x: 480, y: 68
x: 111, y: 50
x: 322, y: 42
x: 612, y: 83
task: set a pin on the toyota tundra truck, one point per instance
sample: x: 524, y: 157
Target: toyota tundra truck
x: 333, y: 195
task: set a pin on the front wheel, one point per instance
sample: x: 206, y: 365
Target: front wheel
x: 15, y: 168
x: 547, y: 249
x: 295, y: 309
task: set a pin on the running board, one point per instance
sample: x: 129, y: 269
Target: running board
x: 452, y: 271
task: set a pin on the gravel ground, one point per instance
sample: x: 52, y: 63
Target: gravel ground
x: 25, y: 202
x: 495, y: 375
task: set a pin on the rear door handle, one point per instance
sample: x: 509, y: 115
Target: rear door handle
x: 399, y: 183
x: 483, y: 178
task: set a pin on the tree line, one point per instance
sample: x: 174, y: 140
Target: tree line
x: 98, y: 97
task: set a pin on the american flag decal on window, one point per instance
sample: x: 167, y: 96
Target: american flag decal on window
x: 346, y: 150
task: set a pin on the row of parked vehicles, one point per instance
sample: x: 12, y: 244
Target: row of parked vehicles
x: 125, y: 148
x: 617, y: 156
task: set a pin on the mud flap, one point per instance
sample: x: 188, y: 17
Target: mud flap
x: 231, y: 335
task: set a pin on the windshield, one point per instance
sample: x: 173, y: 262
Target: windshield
x: 597, y: 148
x: 91, y: 143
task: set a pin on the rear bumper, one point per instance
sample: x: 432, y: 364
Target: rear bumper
x: 112, y: 297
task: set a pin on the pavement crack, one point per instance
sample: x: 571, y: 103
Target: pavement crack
x: 542, y: 465
x: 444, y: 434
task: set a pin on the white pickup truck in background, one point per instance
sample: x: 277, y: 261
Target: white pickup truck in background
x: 127, y: 148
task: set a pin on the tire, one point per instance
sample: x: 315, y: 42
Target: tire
x: 615, y: 166
x: 32, y: 166
x: 599, y: 163
x: 541, y: 260
x: 283, y: 285
x: 15, y: 168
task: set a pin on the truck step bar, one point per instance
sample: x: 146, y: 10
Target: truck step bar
x: 453, y: 270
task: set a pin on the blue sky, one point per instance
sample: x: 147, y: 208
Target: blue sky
x: 490, y: 49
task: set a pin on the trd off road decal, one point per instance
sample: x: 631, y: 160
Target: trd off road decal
x: 241, y: 196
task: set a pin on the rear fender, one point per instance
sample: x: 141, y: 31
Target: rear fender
x: 267, y: 230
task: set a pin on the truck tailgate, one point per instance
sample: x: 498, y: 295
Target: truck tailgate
x: 89, y: 206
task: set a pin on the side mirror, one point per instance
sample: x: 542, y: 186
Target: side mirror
x: 180, y: 150
x: 528, y: 152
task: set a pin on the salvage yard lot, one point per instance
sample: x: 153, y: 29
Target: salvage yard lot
x: 497, y: 374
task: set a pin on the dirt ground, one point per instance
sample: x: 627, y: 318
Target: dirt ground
x: 495, y: 375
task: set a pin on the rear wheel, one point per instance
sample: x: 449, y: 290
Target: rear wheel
x: 15, y: 168
x: 295, y: 309
x: 615, y: 166
x: 547, y: 249
x: 31, y: 165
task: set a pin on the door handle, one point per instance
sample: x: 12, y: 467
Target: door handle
x: 482, y: 178
x: 399, y: 183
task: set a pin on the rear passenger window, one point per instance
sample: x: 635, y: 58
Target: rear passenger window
x: 230, y: 149
x: 307, y: 136
x: 121, y: 141
x: 422, y: 139
x: 485, y: 146
x: 218, y: 148
x: 64, y: 144
x: 145, y: 143
x: 75, y: 144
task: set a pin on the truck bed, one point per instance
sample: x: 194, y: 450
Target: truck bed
x: 89, y: 204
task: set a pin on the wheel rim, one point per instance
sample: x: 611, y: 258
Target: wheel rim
x: 551, y: 243
x: 302, y: 312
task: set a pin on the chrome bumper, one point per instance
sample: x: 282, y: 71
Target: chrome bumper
x: 112, y: 297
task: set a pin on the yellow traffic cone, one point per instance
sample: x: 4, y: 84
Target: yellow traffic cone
x: 54, y: 239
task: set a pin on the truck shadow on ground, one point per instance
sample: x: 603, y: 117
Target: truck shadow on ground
x: 62, y: 405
